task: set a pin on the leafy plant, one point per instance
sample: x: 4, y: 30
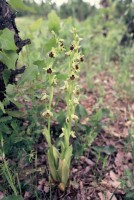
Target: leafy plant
x: 131, y: 139
x: 6, y: 170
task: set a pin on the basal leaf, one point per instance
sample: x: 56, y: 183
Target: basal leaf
x: 68, y: 155
x: 56, y: 155
x: 52, y: 167
x: 65, y: 172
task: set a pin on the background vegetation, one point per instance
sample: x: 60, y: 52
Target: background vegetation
x: 105, y: 112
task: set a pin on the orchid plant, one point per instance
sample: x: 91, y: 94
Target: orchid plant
x: 59, y: 158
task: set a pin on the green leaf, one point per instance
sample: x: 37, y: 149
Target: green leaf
x: 56, y: 156
x: 47, y: 136
x: 12, y: 197
x: 19, y: 5
x: 9, y: 58
x: 68, y: 155
x: 52, y: 167
x: 81, y: 111
x: 14, y: 125
x: 109, y: 150
x: 63, y: 171
x: 53, y: 22
x: 11, y: 99
x: 2, y: 107
x: 97, y: 116
x: 7, y: 40
x: 6, y: 76
x: 10, y: 89
x: 130, y: 195
x: 16, y: 114
x: 5, y: 119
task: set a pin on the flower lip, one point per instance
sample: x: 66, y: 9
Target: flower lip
x: 72, y: 77
x: 51, y: 54
x: 82, y: 58
x: 49, y: 71
x: 76, y: 67
x: 72, y: 47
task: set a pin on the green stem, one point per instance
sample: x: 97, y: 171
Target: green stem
x: 69, y: 108
x: 50, y: 107
x: 49, y: 125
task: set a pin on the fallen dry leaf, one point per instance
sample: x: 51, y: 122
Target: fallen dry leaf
x: 46, y: 189
x: 114, y: 179
x: 82, y: 191
x: 119, y: 159
x: 106, y: 196
x: 88, y: 161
